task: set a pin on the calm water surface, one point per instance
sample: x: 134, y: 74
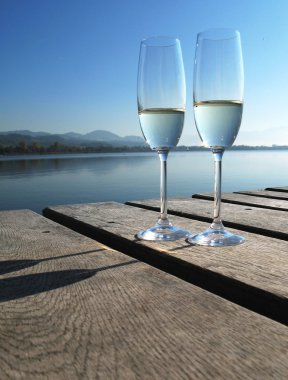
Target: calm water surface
x: 36, y: 182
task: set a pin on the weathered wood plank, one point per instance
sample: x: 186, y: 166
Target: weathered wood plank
x: 265, y: 194
x: 73, y: 309
x: 281, y: 189
x: 271, y: 223
x: 253, y: 274
x: 247, y: 200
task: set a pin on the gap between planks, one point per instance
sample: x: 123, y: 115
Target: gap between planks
x: 280, y: 189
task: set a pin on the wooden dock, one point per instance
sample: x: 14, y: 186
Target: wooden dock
x: 82, y: 298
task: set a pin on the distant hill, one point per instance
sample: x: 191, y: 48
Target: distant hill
x: 101, y: 135
x: 25, y: 141
x: 72, y: 135
x: 134, y: 138
x: 93, y: 138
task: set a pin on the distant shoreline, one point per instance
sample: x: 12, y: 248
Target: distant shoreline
x: 33, y: 150
x: 24, y: 142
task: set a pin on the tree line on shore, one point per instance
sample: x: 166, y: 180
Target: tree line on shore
x: 36, y: 148
x: 56, y: 147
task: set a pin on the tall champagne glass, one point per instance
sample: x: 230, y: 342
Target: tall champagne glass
x: 161, y: 107
x: 218, y: 103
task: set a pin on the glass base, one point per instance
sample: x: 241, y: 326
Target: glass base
x: 163, y: 231
x: 216, y: 237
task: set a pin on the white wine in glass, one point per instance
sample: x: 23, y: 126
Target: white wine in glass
x: 161, y: 106
x: 218, y: 105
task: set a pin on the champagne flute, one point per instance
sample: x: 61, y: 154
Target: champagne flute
x: 218, y: 103
x: 161, y: 107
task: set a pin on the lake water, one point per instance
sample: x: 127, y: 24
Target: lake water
x: 35, y: 182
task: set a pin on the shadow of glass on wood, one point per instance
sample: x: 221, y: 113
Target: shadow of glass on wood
x: 9, y: 266
x: 23, y: 286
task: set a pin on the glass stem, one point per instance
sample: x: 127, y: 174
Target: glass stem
x: 217, y: 153
x: 163, y: 154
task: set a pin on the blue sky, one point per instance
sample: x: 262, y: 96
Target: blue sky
x: 71, y: 65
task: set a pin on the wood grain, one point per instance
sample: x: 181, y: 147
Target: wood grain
x: 83, y: 311
x: 253, y: 274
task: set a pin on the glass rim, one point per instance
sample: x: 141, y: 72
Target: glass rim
x: 156, y: 41
x: 218, y: 34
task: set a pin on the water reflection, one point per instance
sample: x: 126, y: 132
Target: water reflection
x: 100, y: 164
x: 38, y: 182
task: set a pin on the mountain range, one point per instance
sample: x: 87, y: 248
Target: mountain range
x: 103, y: 138
x: 97, y: 137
